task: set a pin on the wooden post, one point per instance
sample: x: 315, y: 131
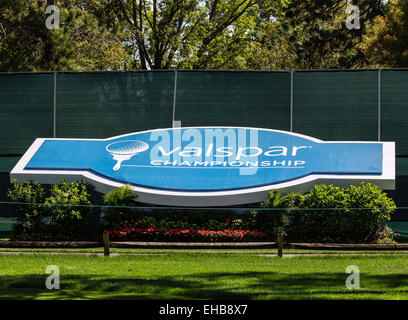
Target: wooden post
x: 280, y: 244
x: 106, y: 243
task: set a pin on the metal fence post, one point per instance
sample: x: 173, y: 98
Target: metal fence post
x: 54, y: 117
x: 379, y: 105
x: 291, y: 100
x: 174, y: 98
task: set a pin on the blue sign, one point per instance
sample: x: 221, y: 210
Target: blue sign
x: 203, y: 161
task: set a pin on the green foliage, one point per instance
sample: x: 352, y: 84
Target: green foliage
x: 62, y: 215
x: 354, y: 221
x: 119, y: 197
x: 69, y: 208
x: 123, y: 196
x: 311, y: 34
x: 325, y: 214
x: 84, y: 40
x: 387, y: 236
x: 116, y: 218
x: 354, y: 214
x: 126, y: 34
x: 288, y: 201
x: 29, y: 214
x: 276, y: 221
x: 385, y: 42
x: 189, y: 34
x: 193, y: 34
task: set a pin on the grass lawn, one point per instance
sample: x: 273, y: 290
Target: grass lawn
x: 178, y: 275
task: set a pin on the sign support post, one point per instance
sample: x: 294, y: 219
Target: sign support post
x: 106, y: 243
x: 280, y: 244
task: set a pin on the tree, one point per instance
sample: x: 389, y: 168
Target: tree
x: 312, y: 34
x: 189, y: 33
x: 385, y: 43
x: 273, y: 50
x: 82, y: 43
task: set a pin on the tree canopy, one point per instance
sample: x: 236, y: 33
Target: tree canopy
x: 81, y: 42
x: 385, y: 44
x: 202, y: 34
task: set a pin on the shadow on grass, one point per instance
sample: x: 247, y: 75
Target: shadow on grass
x: 237, y: 286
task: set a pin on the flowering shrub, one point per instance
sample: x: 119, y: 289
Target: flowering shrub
x: 173, y: 218
x: 153, y: 234
x: 387, y: 235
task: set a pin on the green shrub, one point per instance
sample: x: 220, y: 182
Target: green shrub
x: 122, y: 197
x: 61, y: 214
x: 158, y: 218
x: 325, y: 214
x: 69, y: 207
x: 171, y: 218
x: 354, y: 214
x: 29, y: 214
x: 277, y: 221
x: 115, y: 218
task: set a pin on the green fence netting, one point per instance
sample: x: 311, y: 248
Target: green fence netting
x: 6, y: 224
x: 26, y: 111
x: 402, y: 166
x: 329, y: 105
x: 336, y: 105
x: 8, y: 163
x: 225, y: 98
x: 400, y: 227
x: 102, y: 105
x: 5, y: 210
x: 394, y: 109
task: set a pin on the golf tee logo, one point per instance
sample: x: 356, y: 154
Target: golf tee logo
x: 125, y: 150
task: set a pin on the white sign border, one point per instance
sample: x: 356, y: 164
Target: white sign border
x: 207, y: 199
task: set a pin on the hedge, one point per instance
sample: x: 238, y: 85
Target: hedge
x: 325, y: 214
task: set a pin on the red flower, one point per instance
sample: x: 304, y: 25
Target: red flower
x: 228, y: 220
x: 185, y: 234
x: 185, y: 218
